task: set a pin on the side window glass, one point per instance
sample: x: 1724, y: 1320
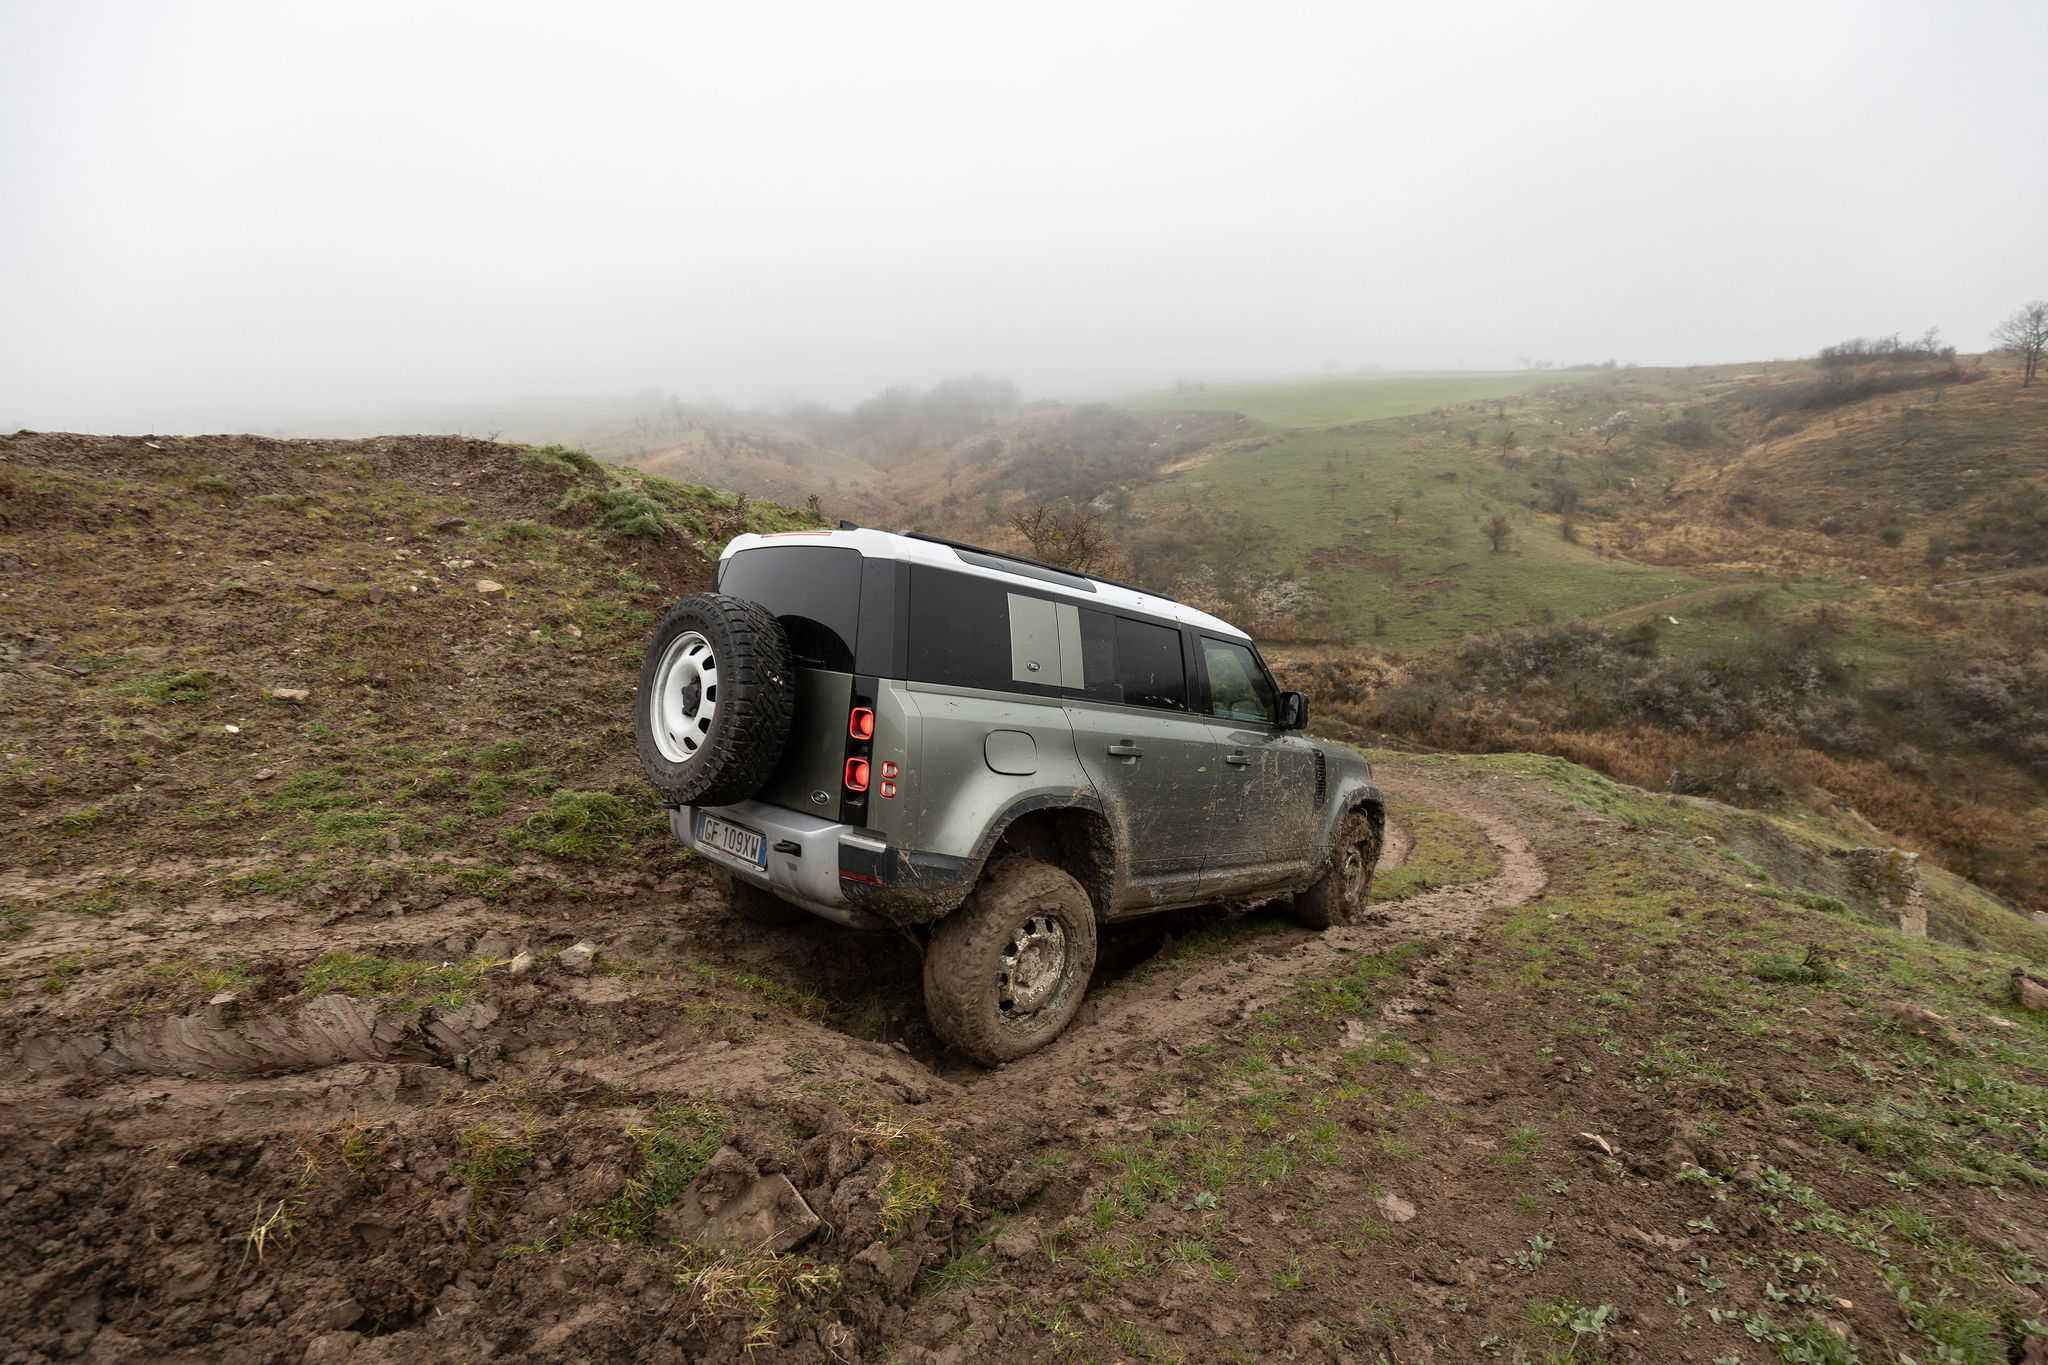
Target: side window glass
x: 1238, y: 688
x: 1099, y: 678
x: 1148, y: 664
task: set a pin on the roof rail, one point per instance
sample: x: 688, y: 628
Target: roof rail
x: 1035, y: 563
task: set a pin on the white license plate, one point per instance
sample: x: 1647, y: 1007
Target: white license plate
x: 727, y: 837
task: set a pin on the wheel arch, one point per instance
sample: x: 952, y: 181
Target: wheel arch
x: 1075, y: 836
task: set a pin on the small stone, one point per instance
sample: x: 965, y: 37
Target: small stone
x: 1395, y: 1207
x: 577, y: 959
x: 265, y: 774
x: 291, y: 693
x: 157, y: 739
x: 378, y: 593
x: 330, y: 1349
x: 314, y: 586
x: 232, y: 729
x: 575, y: 632
x: 2029, y: 991
x: 450, y: 524
x: 1014, y: 1245
x: 533, y: 635
x: 490, y: 587
x: 495, y: 948
x: 522, y: 964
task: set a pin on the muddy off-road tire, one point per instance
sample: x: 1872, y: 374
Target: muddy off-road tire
x: 1005, y: 972
x: 1339, y: 895
x: 744, y: 900
x: 716, y: 691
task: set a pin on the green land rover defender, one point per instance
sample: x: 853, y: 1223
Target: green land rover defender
x: 992, y: 754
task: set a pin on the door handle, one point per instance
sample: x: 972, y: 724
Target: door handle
x: 1237, y: 757
x: 1124, y: 748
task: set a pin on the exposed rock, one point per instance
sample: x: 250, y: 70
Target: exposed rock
x: 1891, y: 877
x: 2029, y: 991
x: 314, y: 586
x: 522, y: 964
x: 450, y: 524
x: 155, y: 738
x: 330, y: 1349
x: 378, y: 593
x: 1395, y: 1207
x: 578, y: 958
x: 735, y: 1209
x: 290, y: 693
x: 490, y: 587
x: 495, y: 947
x: 1017, y: 1243
x: 1921, y: 1023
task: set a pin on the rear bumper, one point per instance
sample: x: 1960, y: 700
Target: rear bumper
x: 804, y: 855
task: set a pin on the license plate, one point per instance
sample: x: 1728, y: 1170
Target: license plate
x: 727, y: 837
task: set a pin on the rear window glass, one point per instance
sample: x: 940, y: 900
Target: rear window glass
x: 814, y: 590
x: 977, y: 632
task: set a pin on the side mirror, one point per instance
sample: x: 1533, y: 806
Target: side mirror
x: 1293, y: 710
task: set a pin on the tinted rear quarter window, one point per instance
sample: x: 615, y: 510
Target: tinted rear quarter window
x: 813, y: 590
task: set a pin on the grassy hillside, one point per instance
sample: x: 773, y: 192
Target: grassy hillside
x: 1314, y: 403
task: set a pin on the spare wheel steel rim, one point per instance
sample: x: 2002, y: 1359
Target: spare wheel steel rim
x: 685, y: 697
x: 1033, y: 964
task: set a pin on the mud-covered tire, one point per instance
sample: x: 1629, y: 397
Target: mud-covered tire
x: 1339, y: 896
x: 1004, y: 973
x: 717, y: 689
x: 746, y: 901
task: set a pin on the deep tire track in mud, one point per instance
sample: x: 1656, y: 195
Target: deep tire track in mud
x: 1154, y: 1013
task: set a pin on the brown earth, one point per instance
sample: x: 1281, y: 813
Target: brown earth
x: 309, y: 1067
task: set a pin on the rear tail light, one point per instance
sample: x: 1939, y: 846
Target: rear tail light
x: 861, y: 724
x: 856, y: 774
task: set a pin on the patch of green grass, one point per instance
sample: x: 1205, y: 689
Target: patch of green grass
x: 488, y: 1154
x: 207, y: 978
x: 188, y: 687
x: 674, y: 1145
x: 1449, y: 851
x: 586, y: 824
x: 506, y: 753
x: 408, y: 985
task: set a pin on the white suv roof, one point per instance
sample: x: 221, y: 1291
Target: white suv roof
x: 942, y: 554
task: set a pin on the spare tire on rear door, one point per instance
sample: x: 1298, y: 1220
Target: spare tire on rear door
x: 716, y: 691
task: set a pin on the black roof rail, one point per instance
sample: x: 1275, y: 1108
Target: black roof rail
x: 1035, y: 563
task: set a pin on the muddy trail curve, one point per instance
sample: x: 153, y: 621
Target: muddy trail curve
x: 1155, y: 1014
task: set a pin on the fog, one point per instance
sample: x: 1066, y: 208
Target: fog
x: 221, y: 217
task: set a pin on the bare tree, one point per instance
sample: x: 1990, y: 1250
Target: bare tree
x: 1068, y: 536
x: 2024, y: 336
x: 1498, y: 528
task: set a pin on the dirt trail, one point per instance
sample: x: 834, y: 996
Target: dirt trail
x: 1153, y: 1014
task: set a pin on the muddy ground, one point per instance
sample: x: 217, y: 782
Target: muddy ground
x: 391, y: 1026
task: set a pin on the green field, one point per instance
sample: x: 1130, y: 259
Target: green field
x: 1432, y: 575
x: 1316, y: 403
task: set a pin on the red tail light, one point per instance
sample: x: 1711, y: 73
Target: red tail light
x: 856, y: 774
x: 861, y: 724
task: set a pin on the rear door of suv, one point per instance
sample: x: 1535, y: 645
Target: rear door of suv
x: 1147, y: 751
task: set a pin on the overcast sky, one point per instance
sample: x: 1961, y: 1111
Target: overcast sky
x: 217, y: 216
